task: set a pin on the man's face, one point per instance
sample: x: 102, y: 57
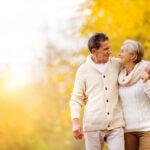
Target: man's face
x: 102, y: 54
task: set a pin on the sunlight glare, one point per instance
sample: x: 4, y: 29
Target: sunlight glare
x: 11, y: 86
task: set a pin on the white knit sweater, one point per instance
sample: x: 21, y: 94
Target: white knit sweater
x: 103, y: 109
x: 136, y: 105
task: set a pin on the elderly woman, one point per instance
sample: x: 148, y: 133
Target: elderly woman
x: 135, y: 96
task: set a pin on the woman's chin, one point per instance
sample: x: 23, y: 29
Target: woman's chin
x: 120, y: 61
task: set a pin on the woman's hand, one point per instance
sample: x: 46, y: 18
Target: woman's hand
x: 85, y: 100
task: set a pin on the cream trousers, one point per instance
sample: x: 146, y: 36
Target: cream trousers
x: 113, y: 138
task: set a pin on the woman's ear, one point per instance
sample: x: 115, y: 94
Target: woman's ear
x: 134, y: 56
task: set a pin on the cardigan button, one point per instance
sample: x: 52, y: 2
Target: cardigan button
x: 107, y: 113
x: 105, y: 88
x: 108, y: 126
x: 107, y: 100
x: 104, y: 76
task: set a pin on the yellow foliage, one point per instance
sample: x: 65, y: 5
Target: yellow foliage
x: 120, y: 20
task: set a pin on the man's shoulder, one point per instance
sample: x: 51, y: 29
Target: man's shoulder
x: 82, y: 67
x: 114, y: 59
x: 115, y: 62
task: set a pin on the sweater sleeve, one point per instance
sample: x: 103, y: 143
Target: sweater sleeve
x: 146, y: 62
x: 76, y: 101
x: 147, y: 88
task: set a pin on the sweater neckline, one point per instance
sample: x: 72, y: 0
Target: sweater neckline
x: 90, y: 61
x: 133, y: 76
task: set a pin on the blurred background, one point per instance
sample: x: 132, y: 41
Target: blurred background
x: 42, y: 43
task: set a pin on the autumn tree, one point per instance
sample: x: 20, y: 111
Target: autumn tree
x: 120, y: 20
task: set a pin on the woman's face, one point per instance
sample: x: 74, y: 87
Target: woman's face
x: 125, y: 56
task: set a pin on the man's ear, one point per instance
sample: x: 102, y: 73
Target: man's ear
x: 93, y: 50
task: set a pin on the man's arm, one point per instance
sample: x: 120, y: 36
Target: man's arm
x: 76, y: 103
x: 147, y: 69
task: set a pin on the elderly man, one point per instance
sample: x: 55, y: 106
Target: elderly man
x: 97, y: 79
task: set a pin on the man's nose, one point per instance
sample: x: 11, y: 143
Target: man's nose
x: 110, y: 52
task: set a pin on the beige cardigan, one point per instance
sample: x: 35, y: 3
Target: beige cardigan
x: 103, y: 109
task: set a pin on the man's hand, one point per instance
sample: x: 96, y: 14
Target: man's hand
x: 147, y: 69
x: 146, y: 74
x: 77, y: 129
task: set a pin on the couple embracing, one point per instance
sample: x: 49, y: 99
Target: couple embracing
x: 117, y: 109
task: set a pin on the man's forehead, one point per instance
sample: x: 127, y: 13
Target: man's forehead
x: 105, y: 43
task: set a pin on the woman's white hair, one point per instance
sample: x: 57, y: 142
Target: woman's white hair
x: 134, y: 47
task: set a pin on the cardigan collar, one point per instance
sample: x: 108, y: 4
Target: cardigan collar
x: 90, y: 62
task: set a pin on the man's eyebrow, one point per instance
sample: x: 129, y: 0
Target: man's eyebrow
x: 106, y: 47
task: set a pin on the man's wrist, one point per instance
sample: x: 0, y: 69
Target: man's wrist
x: 75, y: 121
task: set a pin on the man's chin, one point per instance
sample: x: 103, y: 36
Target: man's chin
x: 106, y: 60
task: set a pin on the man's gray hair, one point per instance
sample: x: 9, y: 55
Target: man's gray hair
x: 134, y: 47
